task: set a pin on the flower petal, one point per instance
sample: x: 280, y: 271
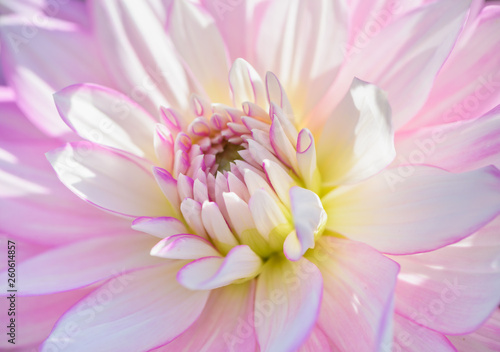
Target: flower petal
x: 132, y: 305
x: 357, y: 141
x: 194, y: 34
x: 184, y: 246
x: 128, y: 34
x: 43, y: 56
x: 107, y: 117
x: 358, y: 291
x: 93, y: 260
x: 246, y: 84
x: 428, y: 209
x: 161, y: 227
x: 213, y: 272
x: 226, y: 323
x: 287, y: 303
x: 484, y: 339
x: 109, y: 179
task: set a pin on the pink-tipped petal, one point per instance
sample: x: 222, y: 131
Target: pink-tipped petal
x: 420, y: 210
x: 212, y: 272
x: 191, y: 210
x: 184, y: 246
x: 161, y: 227
x: 102, y: 115
x: 168, y: 186
x: 91, y: 172
x: 246, y: 84
x: 287, y: 303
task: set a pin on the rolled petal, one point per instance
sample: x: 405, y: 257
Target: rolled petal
x: 161, y: 227
x: 131, y: 304
x: 246, y: 84
x: 42, y: 57
x: 420, y: 210
x: 287, y: 303
x: 109, y: 179
x: 226, y: 323
x: 107, y: 117
x: 309, y: 219
x: 357, y: 141
x: 93, y: 260
x: 213, y: 272
x: 358, y: 294
x: 184, y: 246
x: 306, y: 160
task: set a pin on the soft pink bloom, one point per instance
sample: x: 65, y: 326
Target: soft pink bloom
x: 252, y: 175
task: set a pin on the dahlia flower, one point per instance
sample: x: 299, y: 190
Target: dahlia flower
x: 261, y: 175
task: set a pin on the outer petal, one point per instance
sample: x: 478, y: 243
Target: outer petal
x: 287, y: 303
x: 456, y: 147
x: 213, y: 272
x: 85, y: 262
x: 160, y: 227
x: 184, y: 246
x: 404, y: 58
x: 124, y: 314
x: 358, y: 292
x: 426, y: 210
x: 36, y: 316
x: 107, y: 117
x: 41, y: 59
x: 410, y: 337
x: 468, y: 85
x: 357, y: 140
x: 485, y: 339
x: 194, y: 34
x: 109, y: 179
x: 226, y: 323
x: 317, y: 341
x: 35, y: 205
x: 128, y: 33
x: 446, y: 293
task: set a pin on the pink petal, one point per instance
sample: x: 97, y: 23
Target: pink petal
x: 52, y: 56
x: 358, y: 293
x: 36, y: 316
x: 287, y: 303
x: 485, y: 339
x: 404, y: 57
x: 125, y: 313
x: 161, y: 227
x: 467, y: 85
x: 457, y: 147
x: 107, y: 117
x: 355, y: 148
x: 109, y: 179
x: 226, y: 323
x: 213, y: 272
x: 36, y: 206
x: 128, y: 34
x: 446, y: 293
x: 411, y: 337
x: 184, y: 246
x: 93, y: 260
x: 194, y: 34
x: 317, y: 341
x: 421, y: 210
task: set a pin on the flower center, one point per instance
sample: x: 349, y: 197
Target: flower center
x: 227, y: 156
